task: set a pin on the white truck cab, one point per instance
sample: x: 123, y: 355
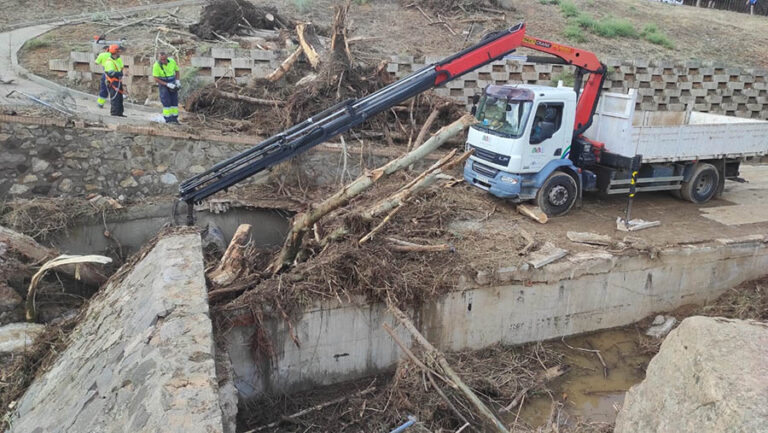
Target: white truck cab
x: 522, y: 129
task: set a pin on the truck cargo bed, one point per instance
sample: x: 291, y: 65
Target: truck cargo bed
x: 674, y: 136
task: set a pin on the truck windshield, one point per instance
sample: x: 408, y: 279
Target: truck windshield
x: 503, y: 116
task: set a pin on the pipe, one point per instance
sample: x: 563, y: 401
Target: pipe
x: 402, y: 428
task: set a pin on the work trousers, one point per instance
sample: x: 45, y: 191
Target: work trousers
x: 116, y: 99
x: 103, y: 92
x: 170, y: 100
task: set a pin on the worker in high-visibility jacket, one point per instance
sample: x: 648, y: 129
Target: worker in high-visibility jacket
x: 113, y: 69
x: 103, y: 92
x: 166, y: 74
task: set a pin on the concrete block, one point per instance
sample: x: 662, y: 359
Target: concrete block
x: 641, y: 63
x: 648, y: 106
x: 222, y: 53
x: 709, y: 85
x: 643, y: 77
x: 264, y: 55
x: 735, y: 85
x: 703, y: 107
x: 685, y: 85
x: 693, y: 64
x: 392, y: 67
x: 81, y: 57
x: 530, y: 76
x: 720, y: 78
x: 221, y: 72
x: 242, y: 63
x: 59, y: 65
x: 202, y: 62
x: 713, y: 99
x: 543, y: 68
x: 502, y: 76
x: 675, y: 107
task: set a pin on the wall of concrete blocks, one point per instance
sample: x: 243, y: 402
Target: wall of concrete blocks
x: 219, y: 62
x: 662, y: 85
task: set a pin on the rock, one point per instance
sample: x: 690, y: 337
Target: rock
x: 213, y: 237
x: 18, y: 189
x: 30, y: 178
x: 169, y: 179
x: 161, y: 168
x: 137, y: 172
x: 545, y: 255
x: 196, y: 169
x: 9, y: 299
x: 17, y: 337
x: 129, y: 182
x: 710, y: 375
x: 65, y: 185
x: 39, y: 165
x: 659, y: 330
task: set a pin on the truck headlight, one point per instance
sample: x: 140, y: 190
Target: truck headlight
x: 467, y: 147
x: 509, y: 179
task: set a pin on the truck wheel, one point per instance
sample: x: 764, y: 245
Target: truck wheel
x: 557, y: 195
x: 703, y: 184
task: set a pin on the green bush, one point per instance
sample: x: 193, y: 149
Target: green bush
x: 569, y: 9
x: 36, y: 43
x: 567, y: 77
x: 574, y: 32
x: 549, y: 2
x: 652, y: 34
x: 585, y: 21
x: 650, y: 28
x: 615, y: 27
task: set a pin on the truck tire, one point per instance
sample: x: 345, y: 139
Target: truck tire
x: 702, y: 185
x: 557, y: 194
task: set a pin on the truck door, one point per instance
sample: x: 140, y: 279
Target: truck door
x: 548, y: 136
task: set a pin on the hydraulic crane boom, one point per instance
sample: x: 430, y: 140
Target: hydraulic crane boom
x: 347, y: 114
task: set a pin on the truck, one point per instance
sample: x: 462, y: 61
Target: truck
x: 531, y: 143
x: 523, y: 149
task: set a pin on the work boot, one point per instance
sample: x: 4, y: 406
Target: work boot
x: 100, y: 105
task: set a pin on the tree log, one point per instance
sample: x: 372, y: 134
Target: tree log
x: 233, y: 260
x: 230, y: 95
x: 404, y: 246
x: 89, y: 274
x: 283, y: 68
x: 482, y: 410
x: 310, y: 43
x: 533, y: 212
x: 304, y: 221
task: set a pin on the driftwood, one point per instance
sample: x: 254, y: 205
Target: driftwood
x: 404, y: 246
x: 533, y: 212
x: 283, y: 68
x: 422, y: 181
x: 303, y: 222
x: 88, y: 274
x: 589, y: 238
x: 233, y: 260
x: 425, y: 128
x: 230, y: 95
x: 64, y: 260
x: 530, y: 242
x: 310, y: 44
x: 439, y: 358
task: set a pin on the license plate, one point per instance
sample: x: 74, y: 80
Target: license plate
x: 483, y: 179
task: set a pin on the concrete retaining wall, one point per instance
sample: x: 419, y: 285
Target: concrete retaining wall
x: 142, y: 358
x: 662, y: 85
x: 583, y: 293
x: 49, y: 157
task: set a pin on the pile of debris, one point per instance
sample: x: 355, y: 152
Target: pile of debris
x: 221, y: 19
x: 317, y: 73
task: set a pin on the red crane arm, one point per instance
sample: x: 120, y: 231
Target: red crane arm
x: 498, y: 45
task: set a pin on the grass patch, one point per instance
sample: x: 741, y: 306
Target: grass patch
x: 574, y: 32
x: 615, y: 27
x: 585, y: 21
x: 652, y: 34
x: 36, y: 43
x: 569, y: 9
x: 549, y: 2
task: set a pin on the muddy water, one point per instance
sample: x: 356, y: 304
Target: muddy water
x: 588, y: 390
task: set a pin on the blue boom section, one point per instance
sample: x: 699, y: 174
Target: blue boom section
x: 344, y: 116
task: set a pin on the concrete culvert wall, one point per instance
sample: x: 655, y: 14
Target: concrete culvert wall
x: 141, y: 359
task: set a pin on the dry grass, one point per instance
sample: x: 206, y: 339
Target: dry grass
x: 41, y: 217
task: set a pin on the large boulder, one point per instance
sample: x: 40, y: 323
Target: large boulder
x: 710, y: 375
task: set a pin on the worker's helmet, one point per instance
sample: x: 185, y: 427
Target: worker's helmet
x: 114, y: 48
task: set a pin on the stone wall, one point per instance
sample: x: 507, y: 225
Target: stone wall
x: 141, y: 359
x: 49, y: 157
x: 662, y: 85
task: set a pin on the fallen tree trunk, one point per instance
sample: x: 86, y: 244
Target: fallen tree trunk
x: 282, y: 69
x: 230, y: 95
x: 310, y: 44
x: 485, y: 413
x: 87, y: 273
x: 303, y: 222
x: 233, y: 260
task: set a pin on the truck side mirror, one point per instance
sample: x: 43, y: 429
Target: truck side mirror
x: 475, y: 99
